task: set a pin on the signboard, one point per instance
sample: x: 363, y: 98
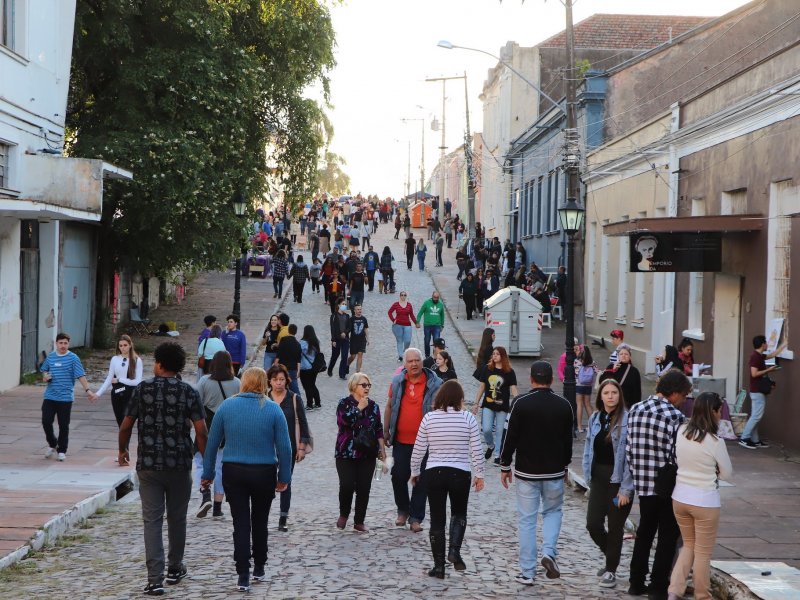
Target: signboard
x: 675, y: 252
x: 773, y: 334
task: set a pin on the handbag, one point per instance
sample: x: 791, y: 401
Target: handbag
x: 365, y: 439
x: 667, y: 474
x: 309, y: 447
x: 318, y: 365
x: 201, y: 361
x: 765, y: 385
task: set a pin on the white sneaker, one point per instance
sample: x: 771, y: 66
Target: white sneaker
x: 608, y: 580
x: 523, y: 580
x: 50, y: 452
x: 61, y: 456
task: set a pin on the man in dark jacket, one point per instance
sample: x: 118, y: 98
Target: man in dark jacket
x: 340, y: 339
x: 540, y: 434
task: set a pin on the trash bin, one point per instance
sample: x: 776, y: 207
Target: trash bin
x: 515, y: 317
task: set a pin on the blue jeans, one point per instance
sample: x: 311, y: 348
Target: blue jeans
x: 277, y: 285
x: 269, y: 358
x: 414, y: 506
x: 498, y: 419
x: 421, y: 262
x: 342, y: 347
x: 293, y: 385
x: 198, y: 471
x: 356, y: 299
x: 431, y: 333
x: 530, y: 494
x: 402, y: 335
x: 758, y: 404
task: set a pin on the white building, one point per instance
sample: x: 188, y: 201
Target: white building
x: 49, y: 204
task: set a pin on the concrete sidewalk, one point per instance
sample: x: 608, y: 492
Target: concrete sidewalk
x: 39, y: 498
x: 761, y: 506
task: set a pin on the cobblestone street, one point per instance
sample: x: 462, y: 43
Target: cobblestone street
x: 314, y: 559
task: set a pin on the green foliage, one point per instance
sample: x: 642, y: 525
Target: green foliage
x: 31, y: 378
x: 332, y: 178
x: 583, y: 66
x: 196, y: 97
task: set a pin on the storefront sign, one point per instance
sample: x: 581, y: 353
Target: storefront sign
x: 675, y: 252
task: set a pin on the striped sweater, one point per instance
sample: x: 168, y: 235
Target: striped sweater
x: 452, y: 439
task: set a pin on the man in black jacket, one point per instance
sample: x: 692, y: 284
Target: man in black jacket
x: 540, y: 434
x: 341, y: 328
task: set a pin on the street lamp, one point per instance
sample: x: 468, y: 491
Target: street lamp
x: 571, y: 216
x: 239, y: 209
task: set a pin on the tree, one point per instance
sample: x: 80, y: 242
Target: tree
x: 332, y: 178
x: 189, y: 94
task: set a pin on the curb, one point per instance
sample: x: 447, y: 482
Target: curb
x: 60, y: 524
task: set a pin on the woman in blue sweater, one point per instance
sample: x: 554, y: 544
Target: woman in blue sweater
x: 257, y: 463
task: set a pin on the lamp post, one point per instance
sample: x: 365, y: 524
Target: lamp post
x: 571, y: 216
x: 239, y: 209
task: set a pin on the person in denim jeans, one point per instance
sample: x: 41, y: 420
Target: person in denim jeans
x: 758, y: 400
x: 539, y: 442
x: 498, y: 384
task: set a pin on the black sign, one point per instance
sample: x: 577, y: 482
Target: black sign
x: 675, y: 252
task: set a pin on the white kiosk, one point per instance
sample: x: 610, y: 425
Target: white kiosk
x: 516, y: 319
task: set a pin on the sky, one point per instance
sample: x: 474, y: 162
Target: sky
x: 385, y: 49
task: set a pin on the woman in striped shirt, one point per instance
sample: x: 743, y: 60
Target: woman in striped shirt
x: 451, y: 437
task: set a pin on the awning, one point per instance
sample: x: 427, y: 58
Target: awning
x: 708, y: 223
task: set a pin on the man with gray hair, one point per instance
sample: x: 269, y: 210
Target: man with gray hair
x: 410, y: 398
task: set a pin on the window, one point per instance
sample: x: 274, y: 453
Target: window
x: 4, y: 150
x: 602, y: 304
x: 695, y: 317
x: 7, y: 23
x: 622, y: 285
x: 591, y: 259
x: 541, y: 215
x: 784, y: 201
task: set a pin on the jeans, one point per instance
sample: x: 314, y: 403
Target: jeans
x: 439, y: 256
x: 52, y: 409
x: 286, y: 495
x: 431, y: 333
x: 269, y: 358
x: 371, y: 279
x: 355, y: 477
x: 758, y: 403
x: 342, y: 346
x: 250, y: 490
x: 656, y: 516
x: 601, y: 507
x: 314, y: 284
x: 402, y: 335
x: 277, y: 285
x: 308, y: 378
x: 498, y: 419
x: 443, y: 482
x: 157, y: 489
x: 421, y: 262
x: 699, y: 532
x: 550, y: 493
x: 293, y: 385
x: 413, y: 507
x: 198, y: 471
x: 409, y: 260
x: 356, y: 299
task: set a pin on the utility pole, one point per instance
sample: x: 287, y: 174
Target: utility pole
x: 408, y: 174
x: 470, y: 167
x: 422, y: 162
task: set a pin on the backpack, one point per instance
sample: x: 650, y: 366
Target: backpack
x: 586, y: 375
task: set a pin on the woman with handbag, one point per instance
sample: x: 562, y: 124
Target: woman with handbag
x: 214, y: 389
x: 312, y: 362
x: 451, y: 438
x: 292, y: 406
x: 606, y: 470
x: 257, y: 463
x: 124, y: 374
x: 358, y: 443
x: 209, y: 347
x: 702, y: 460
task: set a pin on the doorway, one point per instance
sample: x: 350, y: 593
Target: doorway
x: 727, y: 318
x: 29, y: 294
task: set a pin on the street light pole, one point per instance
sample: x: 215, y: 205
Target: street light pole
x: 239, y: 209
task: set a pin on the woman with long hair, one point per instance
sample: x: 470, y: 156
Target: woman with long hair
x: 210, y: 346
x: 497, y: 385
x: 358, y: 443
x: 668, y: 360
x: 387, y: 271
x: 257, y: 463
x: 479, y: 294
x: 468, y: 291
x: 450, y: 437
x: 214, y: 389
x: 421, y: 250
x: 443, y: 366
x: 584, y: 380
x: 685, y: 353
x: 124, y: 374
x: 269, y: 341
x: 280, y: 269
x: 702, y: 460
x: 484, y: 352
x: 606, y: 470
x: 309, y: 347
x: 300, y: 436
x: 401, y: 314
x: 626, y: 375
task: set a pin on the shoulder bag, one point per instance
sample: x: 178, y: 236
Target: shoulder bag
x: 667, y: 473
x: 765, y: 385
x: 201, y: 361
x: 318, y: 365
x: 309, y: 446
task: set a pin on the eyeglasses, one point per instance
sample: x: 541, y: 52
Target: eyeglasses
x: 366, y: 386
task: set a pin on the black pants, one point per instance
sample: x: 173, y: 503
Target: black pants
x: 52, y: 409
x: 412, y: 506
x: 371, y: 279
x: 469, y: 303
x: 656, y: 516
x: 449, y: 239
x: 396, y: 232
x: 315, y: 284
x: 355, y: 476
x: 601, y: 507
x: 409, y: 260
x: 364, y: 243
x: 249, y: 490
x: 439, y: 255
x: 298, y: 290
x: 309, y: 380
x: 443, y: 482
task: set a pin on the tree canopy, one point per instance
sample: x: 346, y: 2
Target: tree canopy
x: 200, y: 99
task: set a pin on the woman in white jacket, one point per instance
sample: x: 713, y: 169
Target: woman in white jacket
x: 702, y: 460
x: 124, y: 374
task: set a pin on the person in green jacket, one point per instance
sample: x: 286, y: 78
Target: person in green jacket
x: 431, y: 315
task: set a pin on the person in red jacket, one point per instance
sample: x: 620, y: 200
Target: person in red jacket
x: 401, y: 314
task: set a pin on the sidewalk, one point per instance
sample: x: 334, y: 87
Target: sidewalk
x: 39, y: 498
x: 760, y: 506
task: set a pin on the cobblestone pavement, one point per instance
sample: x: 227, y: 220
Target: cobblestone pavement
x: 315, y: 560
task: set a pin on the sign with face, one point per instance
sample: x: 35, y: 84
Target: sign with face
x: 675, y: 252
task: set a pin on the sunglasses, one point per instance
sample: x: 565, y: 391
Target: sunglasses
x: 124, y: 359
x: 366, y: 386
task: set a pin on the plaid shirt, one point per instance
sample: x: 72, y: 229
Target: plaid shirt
x: 652, y: 426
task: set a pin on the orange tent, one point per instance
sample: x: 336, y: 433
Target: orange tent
x: 420, y: 213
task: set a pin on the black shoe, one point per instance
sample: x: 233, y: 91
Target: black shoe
x: 174, y: 577
x: 657, y: 595
x: 437, y: 549
x: 458, y: 526
x: 205, y: 504
x: 154, y: 589
x: 318, y: 406
x: 330, y: 372
x: 258, y: 573
x: 551, y: 568
x: 488, y: 454
x: 217, y: 510
x: 761, y: 444
x: 496, y: 462
x: 637, y: 589
x: 282, y: 524
x: 243, y: 584
x: 309, y: 407
x: 746, y: 443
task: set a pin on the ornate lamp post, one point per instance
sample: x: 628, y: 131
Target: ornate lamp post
x: 571, y: 216
x: 239, y: 209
